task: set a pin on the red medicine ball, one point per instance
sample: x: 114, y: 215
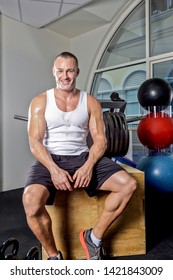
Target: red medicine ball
x: 155, y: 131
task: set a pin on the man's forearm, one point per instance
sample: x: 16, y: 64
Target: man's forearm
x: 97, y: 150
x: 41, y: 154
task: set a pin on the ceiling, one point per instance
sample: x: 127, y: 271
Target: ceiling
x: 69, y: 18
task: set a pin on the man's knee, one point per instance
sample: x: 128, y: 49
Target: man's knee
x: 34, y: 200
x: 30, y: 208
x: 131, y: 186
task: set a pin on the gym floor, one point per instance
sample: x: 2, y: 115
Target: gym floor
x: 159, y: 226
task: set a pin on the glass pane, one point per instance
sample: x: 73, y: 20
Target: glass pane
x: 128, y: 44
x: 132, y: 109
x: 131, y: 96
x: 164, y: 70
x: 125, y: 81
x: 161, y: 20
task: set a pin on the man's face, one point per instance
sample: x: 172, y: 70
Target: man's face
x: 65, y: 72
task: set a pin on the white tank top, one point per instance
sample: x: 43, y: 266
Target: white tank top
x: 66, y: 132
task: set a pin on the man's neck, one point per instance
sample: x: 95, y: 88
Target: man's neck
x: 66, y: 94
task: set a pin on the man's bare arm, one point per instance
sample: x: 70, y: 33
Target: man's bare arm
x: 97, y: 131
x: 83, y: 175
x: 37, y: 129
x: 36, y: 132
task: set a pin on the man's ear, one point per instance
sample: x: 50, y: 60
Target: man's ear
x: 78, y: 71
x: 53, y: 71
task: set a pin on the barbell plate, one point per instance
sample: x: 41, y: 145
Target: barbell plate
x: 110, y: 129
x: 106, y: 122
x: 125, y: 146
x: 116, y: 135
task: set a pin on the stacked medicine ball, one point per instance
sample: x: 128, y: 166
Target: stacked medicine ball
x: 155, y: 132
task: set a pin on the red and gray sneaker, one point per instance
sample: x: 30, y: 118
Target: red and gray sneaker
x: 92, y: 251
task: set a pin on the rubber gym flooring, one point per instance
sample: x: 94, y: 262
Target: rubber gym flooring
x: 159, y: 225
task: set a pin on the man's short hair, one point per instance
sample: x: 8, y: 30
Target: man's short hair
x: 67, y: 55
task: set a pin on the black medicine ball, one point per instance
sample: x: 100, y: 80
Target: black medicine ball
x: 154, y: 92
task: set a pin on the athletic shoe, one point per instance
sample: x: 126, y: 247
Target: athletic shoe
x: 92, y: 251
x: 58, y: 257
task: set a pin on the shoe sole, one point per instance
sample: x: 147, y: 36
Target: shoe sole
x: 83, y: 243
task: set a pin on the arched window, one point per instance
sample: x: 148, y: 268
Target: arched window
x: 141, y: 48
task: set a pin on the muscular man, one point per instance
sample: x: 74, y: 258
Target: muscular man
x: 59, y: 122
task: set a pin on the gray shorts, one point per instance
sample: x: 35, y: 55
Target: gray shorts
x: 103, y: 169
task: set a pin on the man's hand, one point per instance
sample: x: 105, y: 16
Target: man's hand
x: 82, y: 176
x: 61, y: 179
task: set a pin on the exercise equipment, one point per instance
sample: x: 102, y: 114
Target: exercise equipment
x: 155, y: 131
x: 154, y: 92
x: 21, y: 118
x: 117, y: 134
x: 126, y: 161
x: 114, y: 104
x: 33, y: 254
x: 158, y: 166
x: 10, y: 247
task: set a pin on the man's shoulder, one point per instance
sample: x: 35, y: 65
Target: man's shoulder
x: 39, y: 99
x: 93, y: 104
x: 92, y: 99
x: 43, y: 94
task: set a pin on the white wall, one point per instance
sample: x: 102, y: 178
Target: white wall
x: 0, y: 106
x: 27, y: 57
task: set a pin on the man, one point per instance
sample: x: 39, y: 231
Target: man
x: 59, y: 122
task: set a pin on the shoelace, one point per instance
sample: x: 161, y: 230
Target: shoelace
x: 98, y: 253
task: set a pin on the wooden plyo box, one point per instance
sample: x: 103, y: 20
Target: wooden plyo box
x: 74, y: 211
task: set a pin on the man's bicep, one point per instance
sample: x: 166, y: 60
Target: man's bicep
x: 37, y: 124
x: 96, y: 125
